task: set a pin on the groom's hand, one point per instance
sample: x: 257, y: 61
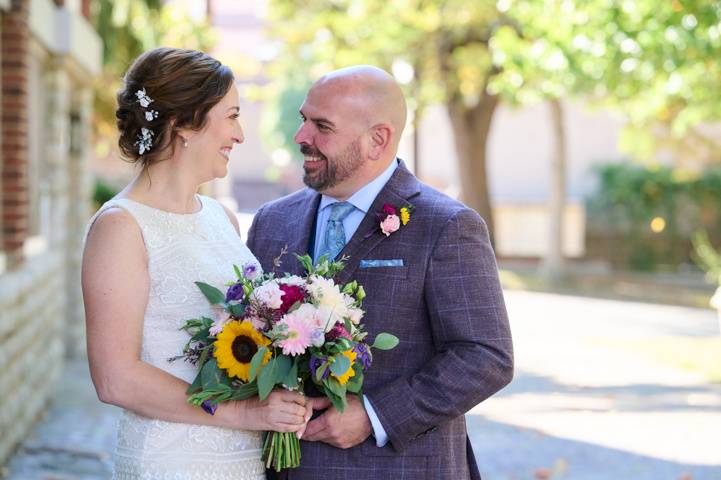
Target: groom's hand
x: 342, y: 430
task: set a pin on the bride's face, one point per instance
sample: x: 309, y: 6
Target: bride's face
x: 212, y: 145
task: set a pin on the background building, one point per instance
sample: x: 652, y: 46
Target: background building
x: 50, y: 55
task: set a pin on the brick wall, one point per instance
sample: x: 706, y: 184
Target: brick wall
x: 14, y: 134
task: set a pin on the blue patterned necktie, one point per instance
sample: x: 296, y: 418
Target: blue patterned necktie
x: 334, y: 235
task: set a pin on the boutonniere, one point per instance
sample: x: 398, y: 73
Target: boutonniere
x: 393, y: 218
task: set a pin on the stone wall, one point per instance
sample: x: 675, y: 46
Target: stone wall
x: 32, y: 303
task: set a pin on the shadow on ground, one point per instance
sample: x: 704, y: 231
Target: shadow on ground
x: 507, y: 452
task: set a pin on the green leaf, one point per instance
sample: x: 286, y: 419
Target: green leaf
x: 385, y: 341
x: 237, y: 310
x: 238, y: 273
x: 210, y: 375
x: 321, y: 371
x: 291, y: 380
x: 306, y: 262
x: 256, y: 362
x: 266, y: 379
x: 214, y: 296
x: 356, y: 382
x: 338, y: 393
x: 245, y: 391
x: 196, y: 386
x: 283, y: 365
x: 340, y: 365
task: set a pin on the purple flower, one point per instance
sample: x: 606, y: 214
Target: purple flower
x: 209, y: 407
x: 364, y: 356
x: 235, y: 292
x: 317, y: 338
x: 250, y: 270
x: 315, y: 363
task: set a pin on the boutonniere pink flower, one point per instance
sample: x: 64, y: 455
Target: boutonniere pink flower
x: 393, y: 218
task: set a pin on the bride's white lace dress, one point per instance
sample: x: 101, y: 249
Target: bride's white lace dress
x: 183, y: 249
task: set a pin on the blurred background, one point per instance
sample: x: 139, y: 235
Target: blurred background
x: 586, y: 132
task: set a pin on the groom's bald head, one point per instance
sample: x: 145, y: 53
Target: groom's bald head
x: 372, y: 92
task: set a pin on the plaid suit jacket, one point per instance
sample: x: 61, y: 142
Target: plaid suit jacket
x: 444, y: 304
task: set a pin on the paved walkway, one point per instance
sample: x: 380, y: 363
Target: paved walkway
x: 579, y: 408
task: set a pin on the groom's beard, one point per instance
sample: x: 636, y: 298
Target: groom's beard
x: 333, y: 170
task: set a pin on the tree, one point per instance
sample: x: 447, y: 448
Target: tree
x: 128, y: 28
x: 447, y: 42
x: 654, y: 61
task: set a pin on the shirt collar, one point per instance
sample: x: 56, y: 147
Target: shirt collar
x: 363, y: 198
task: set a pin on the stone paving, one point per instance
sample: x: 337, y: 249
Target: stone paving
x: 577, y: 409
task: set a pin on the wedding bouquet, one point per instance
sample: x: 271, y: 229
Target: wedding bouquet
x: 280, y: 332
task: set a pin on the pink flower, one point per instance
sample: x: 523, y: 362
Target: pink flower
x: 298, y: 335
x: 391, y: 224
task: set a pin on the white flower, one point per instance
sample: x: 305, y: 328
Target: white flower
x: 143, y: 98
x: 326, y: 294
x: 355, y: 315
x: 145, y: 140
x: 269, y: 294
x: 151, y: 115
x: 293, y: 280
x: 327, y: 318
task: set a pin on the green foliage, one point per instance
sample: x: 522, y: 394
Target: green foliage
x: 657, y: 63
x: 445, y: 43
x: 707, y: 257
x: 127, y: 29
x: 630, y: 197
x: 102, y: 192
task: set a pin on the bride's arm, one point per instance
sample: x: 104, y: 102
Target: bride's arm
x: 115, y: 291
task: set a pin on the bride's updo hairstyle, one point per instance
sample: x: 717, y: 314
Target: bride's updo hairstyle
x: 164, y: 90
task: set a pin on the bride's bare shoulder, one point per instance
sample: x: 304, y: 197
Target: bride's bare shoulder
x: 114, y: 231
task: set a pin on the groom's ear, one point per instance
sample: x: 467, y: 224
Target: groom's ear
x: 380, y: 140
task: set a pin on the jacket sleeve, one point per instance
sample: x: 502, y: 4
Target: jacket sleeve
x: 471, y: 332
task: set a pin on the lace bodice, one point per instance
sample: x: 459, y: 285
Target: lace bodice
x: 183, y: 249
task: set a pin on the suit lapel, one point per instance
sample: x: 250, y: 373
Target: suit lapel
x: 301, y: 231
x: 401, y: 187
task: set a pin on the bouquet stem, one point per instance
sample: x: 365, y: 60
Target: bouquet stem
x: 281, y: 450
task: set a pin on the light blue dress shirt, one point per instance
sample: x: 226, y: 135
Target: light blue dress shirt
x: 362, y: 200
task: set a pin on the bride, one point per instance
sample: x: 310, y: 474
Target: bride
x: 178, y: 120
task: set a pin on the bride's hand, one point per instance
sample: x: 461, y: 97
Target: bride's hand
x: 282, y: 411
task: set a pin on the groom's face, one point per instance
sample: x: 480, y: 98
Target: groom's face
x: 330, y: 140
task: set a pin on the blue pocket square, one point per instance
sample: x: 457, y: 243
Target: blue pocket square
x: 398, y: 262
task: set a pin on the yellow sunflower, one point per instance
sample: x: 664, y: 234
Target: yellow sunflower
x: 343, y: 379
x: 405, y: 215
x: 235, y: 347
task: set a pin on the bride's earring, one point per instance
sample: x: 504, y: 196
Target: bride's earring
x: 185, y: 143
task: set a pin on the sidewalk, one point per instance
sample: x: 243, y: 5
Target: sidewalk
x: 582, y: 405
x: 74, y: 440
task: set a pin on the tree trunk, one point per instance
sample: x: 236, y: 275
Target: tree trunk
x: 416, y: 143
x: 553, y: 263
x: 471, y: 127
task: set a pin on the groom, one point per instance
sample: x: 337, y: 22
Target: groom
x: 430, y: 279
